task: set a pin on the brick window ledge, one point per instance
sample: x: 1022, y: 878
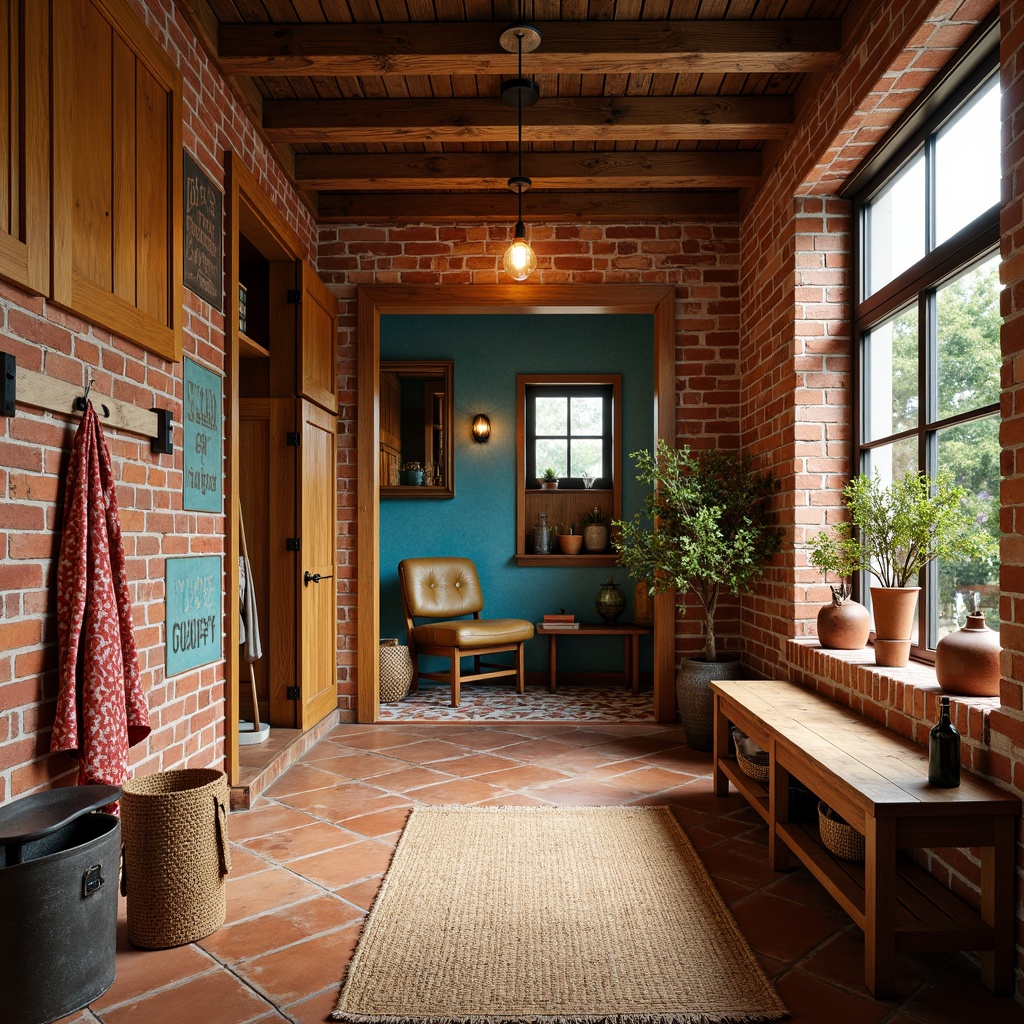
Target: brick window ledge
x: 905, y: 700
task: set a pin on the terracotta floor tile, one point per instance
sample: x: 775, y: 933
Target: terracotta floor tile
x: 956, y: 994
x: 218, y: 998
x: 406, y: 779
x: 515, y: 800
x: 346, y: 865
x: 300, y: 842
x: 472, y: 765
x: 243, y: 862
x: 421, y: 752
x: 739, y: 861
x: 461, y: 791
x: 783, y: 929
x: 378, y: 823
x: 300, y: 778
x: 520, y: 776
x: 360, y: 738
x: 360, y: 765
x: 361, y: 894
x: 289, y: 975
x: 345, y: 800
x: 264, y: 891
x: 264, y: 818
x: 278, y: 929
x: 540, y: 750
x: 650, y: 779
x: 811, y: 1001
x: 316, y: 1009
x: 583, y: 792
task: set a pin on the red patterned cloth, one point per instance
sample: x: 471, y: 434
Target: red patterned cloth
x: 101, y: 709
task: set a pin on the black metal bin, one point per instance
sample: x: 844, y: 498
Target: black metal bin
x: 59, y: 860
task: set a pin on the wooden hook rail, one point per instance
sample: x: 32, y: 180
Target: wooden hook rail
x: 31, y: 388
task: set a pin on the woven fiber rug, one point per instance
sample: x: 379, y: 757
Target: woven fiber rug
x: 554, y: 916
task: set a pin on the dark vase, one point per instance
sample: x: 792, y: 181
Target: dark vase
x: 694, y: 697
x: 610, y: 602
x: 944, y: 751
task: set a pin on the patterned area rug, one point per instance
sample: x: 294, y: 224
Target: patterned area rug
x: 500, y: 703
x: 551, y: 916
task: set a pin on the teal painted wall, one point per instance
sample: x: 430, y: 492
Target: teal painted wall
x: 479, y: 523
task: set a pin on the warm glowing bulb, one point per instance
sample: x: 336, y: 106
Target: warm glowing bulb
x: 520, y: 260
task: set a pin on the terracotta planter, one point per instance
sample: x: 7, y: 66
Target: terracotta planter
x: 967, y: 661
x: 570, y: 543
x: 695, y: 699
x: 549, y: 485
x: 893, y: 609
x: 843, y: 627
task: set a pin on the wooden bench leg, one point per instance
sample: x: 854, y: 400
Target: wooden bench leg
x: 779, y: 855
x: 720, y: 747
x: 880, y: 905
x: 997, y: 906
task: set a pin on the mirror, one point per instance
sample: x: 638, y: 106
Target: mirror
x: 416, y: 454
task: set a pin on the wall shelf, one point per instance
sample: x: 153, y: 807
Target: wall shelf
x: 576, y: 561
x: 249, y: 349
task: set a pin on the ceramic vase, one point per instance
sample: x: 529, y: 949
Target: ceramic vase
x: 893, y: 609
x: 967, y: 660
x: 694, y: 697
x: 843, y: 625
x: 595, y: 537
x: 570, y: 543
x: 610, y: 602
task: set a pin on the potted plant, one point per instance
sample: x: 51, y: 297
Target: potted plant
x: 548, y: 480
x: 843, y: 624
x: 595, y: 530
x: 902, y: 527
x: 570, y: 539
x: 411, y: 474
x: 713, y: 531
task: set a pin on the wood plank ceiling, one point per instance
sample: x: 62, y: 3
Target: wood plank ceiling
x: 392, y: 110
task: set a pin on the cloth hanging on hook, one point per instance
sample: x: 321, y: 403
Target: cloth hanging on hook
x: 101, y: 707
x: 248, y: 622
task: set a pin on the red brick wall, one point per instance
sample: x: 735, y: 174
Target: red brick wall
x: 188, y: 710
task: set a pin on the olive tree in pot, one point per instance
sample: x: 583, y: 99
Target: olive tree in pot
x: 902, y: 527
x: 712, y: 532
x: 843, y: 624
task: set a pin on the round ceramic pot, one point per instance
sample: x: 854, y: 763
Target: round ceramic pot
x: 595, y: 537
x: 967, y: 661
x: 610, y: 602
x: 843, y: 627
x: 549, y: 485
x: 892, y: 653
x: 570, y: 543
x: 695, y: 699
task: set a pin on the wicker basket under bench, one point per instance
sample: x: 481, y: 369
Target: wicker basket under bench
x: 878, y: 782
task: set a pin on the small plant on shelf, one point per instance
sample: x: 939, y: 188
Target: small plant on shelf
x: 549, y: 479
x: 592, y: 517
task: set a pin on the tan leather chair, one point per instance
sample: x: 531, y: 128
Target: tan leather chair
x: 443, y: 588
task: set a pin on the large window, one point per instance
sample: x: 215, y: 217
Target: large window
x: 927, y: 321
x: 569, y: 429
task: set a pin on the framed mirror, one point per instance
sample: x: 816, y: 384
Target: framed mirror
x: 417, y: 457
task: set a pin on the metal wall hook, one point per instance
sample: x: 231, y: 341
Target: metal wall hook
x: 82, y: 403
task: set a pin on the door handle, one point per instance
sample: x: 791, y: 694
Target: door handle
x: 313, y: 577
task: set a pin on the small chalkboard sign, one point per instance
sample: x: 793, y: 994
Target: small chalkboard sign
x: 195, y: 602
x: 204, y: 234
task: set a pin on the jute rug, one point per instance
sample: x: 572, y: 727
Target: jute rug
x: 555, y: 916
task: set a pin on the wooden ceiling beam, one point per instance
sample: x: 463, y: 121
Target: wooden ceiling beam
x: 491, y: 171
x: 567, y: 47
x: 563, y: 119
x: 542, y: 207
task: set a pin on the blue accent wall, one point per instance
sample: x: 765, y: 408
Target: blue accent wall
x: 480, y: 522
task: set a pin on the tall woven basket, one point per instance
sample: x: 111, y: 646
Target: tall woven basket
x: 396, y: 670
x: 176, y: 856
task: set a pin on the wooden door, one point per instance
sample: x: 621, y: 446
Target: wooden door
x: 318, y: 532
x: 317, y: 371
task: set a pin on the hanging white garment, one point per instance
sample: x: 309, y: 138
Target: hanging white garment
x: 248, y: 622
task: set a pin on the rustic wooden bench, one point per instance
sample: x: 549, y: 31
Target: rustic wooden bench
x: 878, y: 782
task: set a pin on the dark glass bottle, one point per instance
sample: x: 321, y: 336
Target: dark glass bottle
x: 944, y: 751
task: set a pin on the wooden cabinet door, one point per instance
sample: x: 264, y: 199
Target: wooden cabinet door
x: 318, y: 532
x: 317, y: 368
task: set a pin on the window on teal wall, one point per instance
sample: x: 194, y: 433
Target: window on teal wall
x: 569, y: 429
x: 926, y: 318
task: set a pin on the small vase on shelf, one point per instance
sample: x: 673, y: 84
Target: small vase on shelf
x: 967, y: 660
x: 610, y: 602
x: 844, y: 624
x: 543, y: 536
x: 944, y: 751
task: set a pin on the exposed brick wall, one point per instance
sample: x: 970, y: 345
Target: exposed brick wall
x: 188, y: 710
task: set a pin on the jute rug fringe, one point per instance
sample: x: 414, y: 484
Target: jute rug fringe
x: 600, y: 915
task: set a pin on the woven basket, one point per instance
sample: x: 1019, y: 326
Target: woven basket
x: 395, y: 671
x: 176, y: 856
x: 756, y: 767
x: 839, y: 837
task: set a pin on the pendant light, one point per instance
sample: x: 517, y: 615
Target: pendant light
x: 520, y: 260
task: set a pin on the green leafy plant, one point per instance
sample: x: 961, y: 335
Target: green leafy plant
x: 839, y: 554
x: 592, y: 517
x: 712, y: 530
x: 549, y: 475
x: 904, y: 525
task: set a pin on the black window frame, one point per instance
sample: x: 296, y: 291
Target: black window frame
x: 559, y: 390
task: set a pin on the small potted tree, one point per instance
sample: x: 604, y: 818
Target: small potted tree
x: 843, y: 624
x: 902, y: 527
x: 713, y: 531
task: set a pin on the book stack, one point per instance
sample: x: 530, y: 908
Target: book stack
x: 559, y: 621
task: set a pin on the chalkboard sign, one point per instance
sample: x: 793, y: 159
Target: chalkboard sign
x: 195, y: 602
x: 202, y: 439
x: 204, y: 234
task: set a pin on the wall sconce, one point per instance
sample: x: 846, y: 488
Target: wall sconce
x: 481, y: 428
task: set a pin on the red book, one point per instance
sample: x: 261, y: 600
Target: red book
x: 559, y: 617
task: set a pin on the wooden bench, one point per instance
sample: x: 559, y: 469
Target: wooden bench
x: 878, y: 782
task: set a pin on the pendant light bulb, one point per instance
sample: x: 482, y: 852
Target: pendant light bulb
x: 520, y: 260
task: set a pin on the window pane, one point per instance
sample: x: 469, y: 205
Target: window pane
x: 891, y: 399
x: 970, y: 451
x: 968, y: 340
x: 967, y: 164
x: 893, y: 461
x: 551, y: 453
x: 552, y: 415
x: 586, y: 459
x: 586, y: 416
x: 895, y: 227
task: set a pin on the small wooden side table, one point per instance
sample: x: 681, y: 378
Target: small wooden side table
x: 630, y: 646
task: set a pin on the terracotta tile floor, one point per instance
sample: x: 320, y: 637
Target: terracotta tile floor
x: 309, y: 856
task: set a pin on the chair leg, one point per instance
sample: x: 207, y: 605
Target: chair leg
x: 520, y: 670
x: 455, y: 676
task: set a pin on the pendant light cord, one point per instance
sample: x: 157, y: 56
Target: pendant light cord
x: 519, y: 106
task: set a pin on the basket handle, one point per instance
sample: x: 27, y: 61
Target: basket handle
x: 124, y: 870
x: 224, y: 848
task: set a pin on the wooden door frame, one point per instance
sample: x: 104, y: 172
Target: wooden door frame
x: 375, y: 301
